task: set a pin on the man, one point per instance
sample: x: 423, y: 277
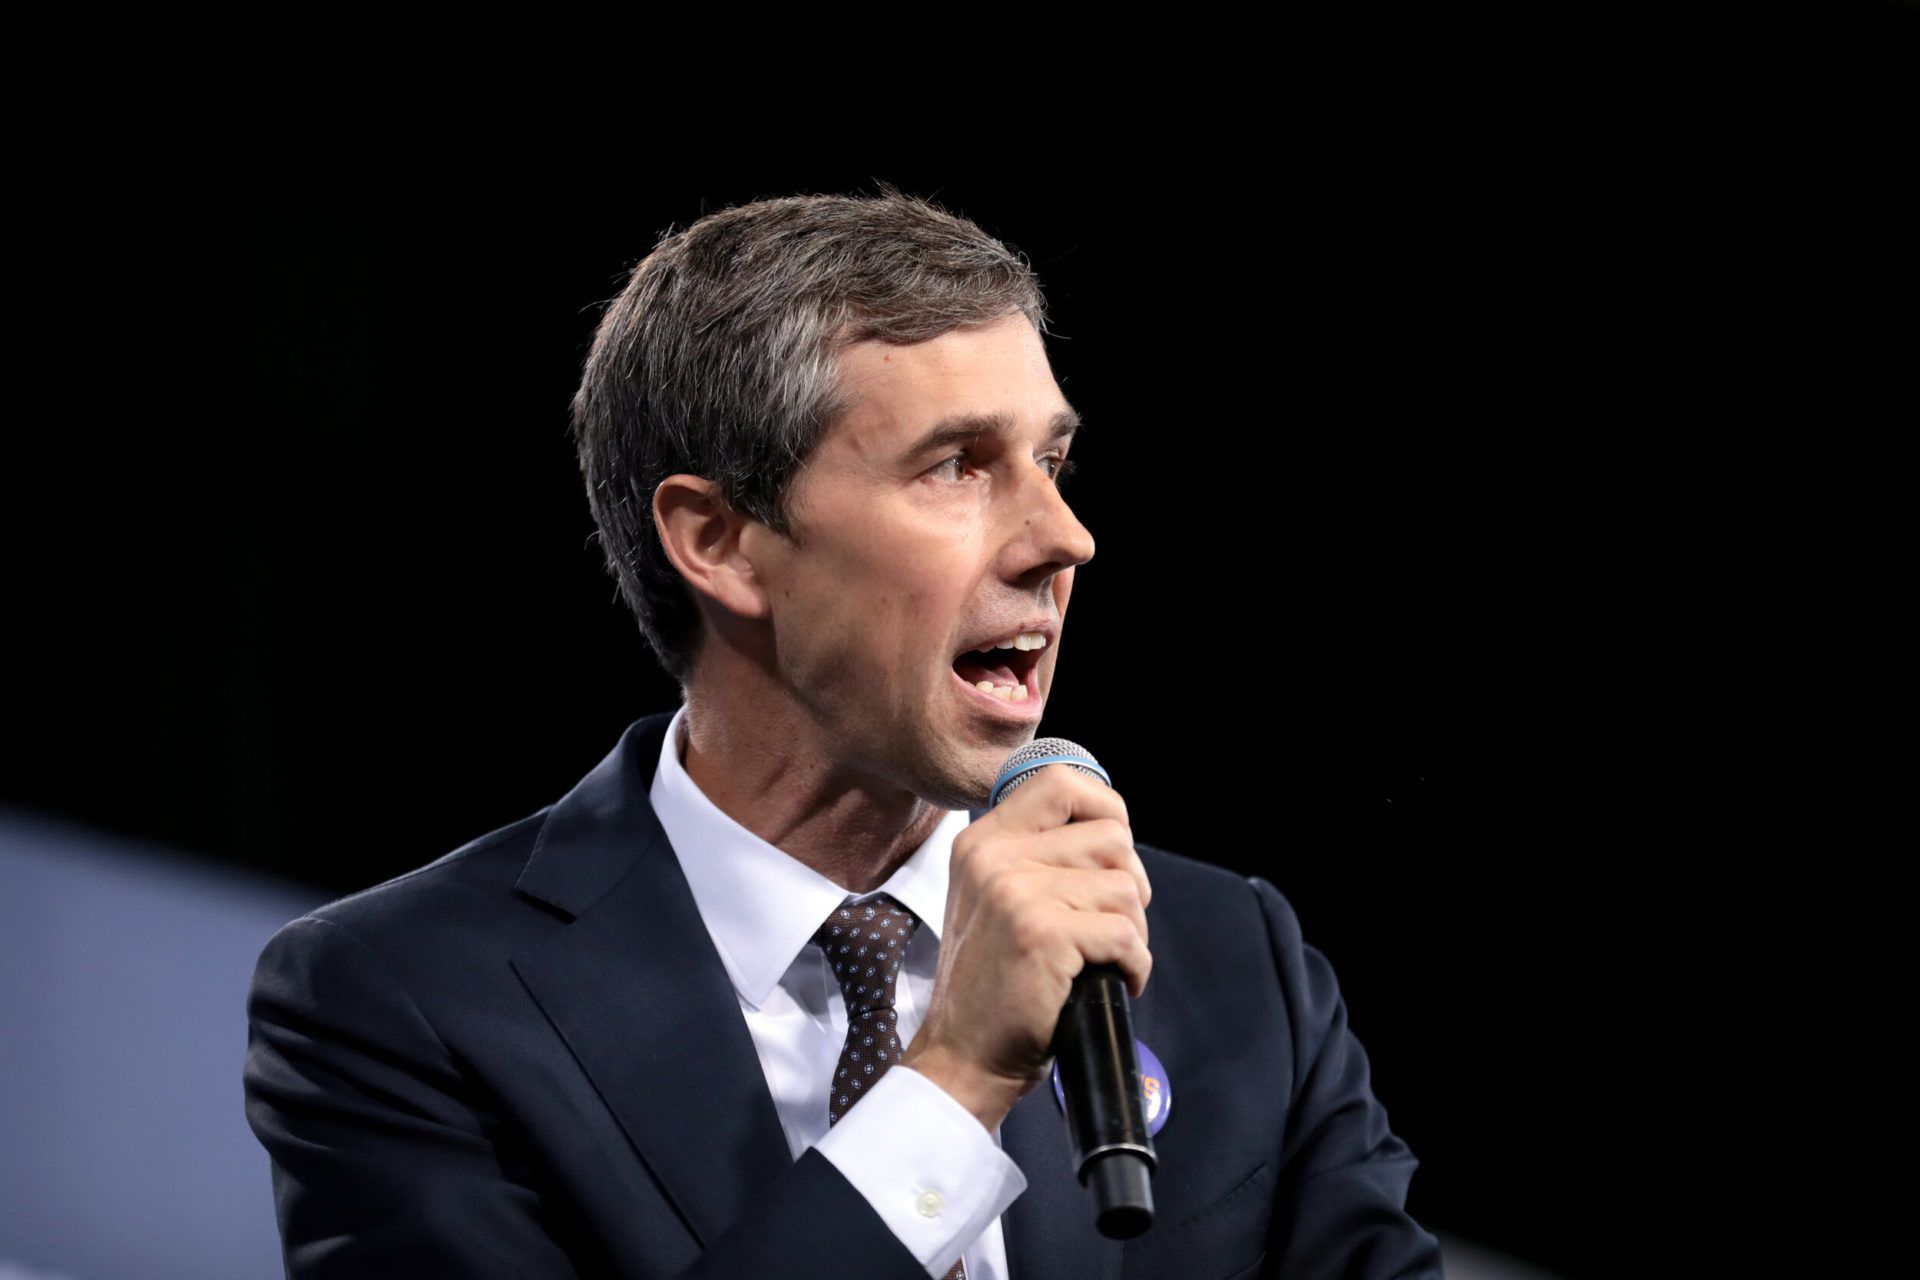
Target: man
x: 821, y: 440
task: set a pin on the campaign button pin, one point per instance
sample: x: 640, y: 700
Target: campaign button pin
x: 1155, y: 1090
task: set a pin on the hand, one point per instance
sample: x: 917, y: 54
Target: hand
x: 1042, y: 886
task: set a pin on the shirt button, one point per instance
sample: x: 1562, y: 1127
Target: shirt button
x: 930, y: 1204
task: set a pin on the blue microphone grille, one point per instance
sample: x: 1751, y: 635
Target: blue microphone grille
x: 1038, y: 754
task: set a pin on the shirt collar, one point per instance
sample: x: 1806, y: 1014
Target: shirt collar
x: 760, y: 905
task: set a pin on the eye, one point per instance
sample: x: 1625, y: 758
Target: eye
x: 954, y: 468
x: 1055, y: 465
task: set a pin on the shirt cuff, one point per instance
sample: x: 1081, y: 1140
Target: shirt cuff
x: 925, y: 1164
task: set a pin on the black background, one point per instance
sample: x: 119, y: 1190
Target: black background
x: 1429, y: 364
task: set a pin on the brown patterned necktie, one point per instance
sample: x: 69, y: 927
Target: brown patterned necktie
x: 865, y: 944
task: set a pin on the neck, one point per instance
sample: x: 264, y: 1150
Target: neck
x: 854, y: 830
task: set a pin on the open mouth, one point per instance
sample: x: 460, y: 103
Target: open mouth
x: 1003, y: 668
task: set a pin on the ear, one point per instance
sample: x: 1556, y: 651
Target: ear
x: 702, y: 534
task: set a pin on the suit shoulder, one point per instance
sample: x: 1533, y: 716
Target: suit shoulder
x: 1206, y: 914
x: 479, y: 872
x: 1190, y: 878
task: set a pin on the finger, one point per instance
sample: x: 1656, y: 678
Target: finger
x: 1105, y: 892
x: 1084, y: 846
x: 1102, y: 844
x: 1103, y: 938
x: 1055, y: 796
x: 1068, y: 918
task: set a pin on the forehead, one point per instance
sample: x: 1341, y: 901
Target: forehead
x: 995, y: 372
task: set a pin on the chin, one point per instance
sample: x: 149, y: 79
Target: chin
x: 955, y: 789
x: 964, y: 780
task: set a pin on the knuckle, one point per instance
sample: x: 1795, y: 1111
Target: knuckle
x: 1029, y: 932
x: 1003, y: 894
x: 976, y: 844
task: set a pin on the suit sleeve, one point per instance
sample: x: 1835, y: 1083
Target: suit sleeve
x: 1340, y: 1207
x: 388, y: 1163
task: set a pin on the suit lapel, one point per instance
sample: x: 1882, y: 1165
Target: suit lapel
x: 635, y: 988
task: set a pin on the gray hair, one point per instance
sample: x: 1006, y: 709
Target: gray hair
x: 721, y: 359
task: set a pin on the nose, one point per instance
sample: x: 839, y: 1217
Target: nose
x: 1049, y: 539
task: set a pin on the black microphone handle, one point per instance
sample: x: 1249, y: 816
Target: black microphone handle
x: 1106, y: 1118
x: 1094, y: 1049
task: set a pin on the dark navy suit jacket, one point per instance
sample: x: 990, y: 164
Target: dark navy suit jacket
x: 526, y: 1060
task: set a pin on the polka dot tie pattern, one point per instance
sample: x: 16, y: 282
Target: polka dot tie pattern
x: 866, y: 943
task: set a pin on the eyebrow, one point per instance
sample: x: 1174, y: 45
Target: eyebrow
x: 955, y: 430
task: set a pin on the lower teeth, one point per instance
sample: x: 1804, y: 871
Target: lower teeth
x: 1006, y: 693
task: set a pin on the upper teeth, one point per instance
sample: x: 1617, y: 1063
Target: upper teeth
x: 1025, y: 640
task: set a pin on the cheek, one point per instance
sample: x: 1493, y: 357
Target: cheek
x: 904, y: 622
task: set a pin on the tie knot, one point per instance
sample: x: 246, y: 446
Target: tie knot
x: 865, y: 943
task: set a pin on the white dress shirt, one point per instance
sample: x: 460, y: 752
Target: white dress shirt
x: 935, y: 1176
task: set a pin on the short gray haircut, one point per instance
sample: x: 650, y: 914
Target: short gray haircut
x: 721, y: 359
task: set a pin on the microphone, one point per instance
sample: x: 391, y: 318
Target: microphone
x: 1094, y: 1050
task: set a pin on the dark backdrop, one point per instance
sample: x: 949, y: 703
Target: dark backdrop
x: 1406, y: 376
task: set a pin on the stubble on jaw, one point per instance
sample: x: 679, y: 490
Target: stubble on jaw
x: 967, y: 778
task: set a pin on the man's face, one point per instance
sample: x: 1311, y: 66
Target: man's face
x: 927, y: 527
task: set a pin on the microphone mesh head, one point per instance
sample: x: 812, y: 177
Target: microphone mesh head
x: 1037, y: 755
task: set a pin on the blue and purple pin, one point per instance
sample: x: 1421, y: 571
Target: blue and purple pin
x: 1155, y: 1090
